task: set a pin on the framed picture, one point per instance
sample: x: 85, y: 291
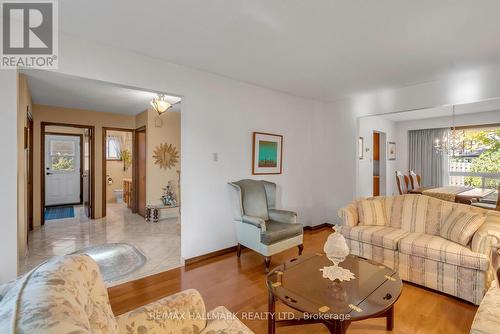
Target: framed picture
x: 360, y: 148
x: 267, y: 153
x: 391, y: 150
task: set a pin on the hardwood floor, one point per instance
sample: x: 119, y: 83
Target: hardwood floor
x: 240, y: 286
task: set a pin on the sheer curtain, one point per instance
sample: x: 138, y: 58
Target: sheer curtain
x: 114, y: 147
x: 423, y: 158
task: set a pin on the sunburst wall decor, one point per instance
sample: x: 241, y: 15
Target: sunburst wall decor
x: 166, y: 155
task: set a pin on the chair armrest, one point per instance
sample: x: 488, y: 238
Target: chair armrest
x: 182, y: 312
x: 258, y: 222
x: 349, y: 214
x: 283, y: 216
x: 221, y: 320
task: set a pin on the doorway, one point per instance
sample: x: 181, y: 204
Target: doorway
x: 118, y: 172
x: 67, y: 173
x: 379, y: 163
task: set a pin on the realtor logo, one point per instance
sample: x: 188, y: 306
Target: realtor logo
x: 29, y: 34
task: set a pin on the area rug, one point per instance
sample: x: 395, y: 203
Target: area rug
x: 59, y: 212
x: 115, y: 260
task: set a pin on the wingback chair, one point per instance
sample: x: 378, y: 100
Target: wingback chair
x: 259, y: 225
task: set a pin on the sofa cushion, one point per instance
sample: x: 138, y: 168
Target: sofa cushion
x: 382, y: 236
x: 487, y: 319
x: 372, y: 211
x: 460, y: 226
x: 442, y: 250
x: 276, y: 232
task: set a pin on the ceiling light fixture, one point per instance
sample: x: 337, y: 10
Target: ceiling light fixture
x: 160, y: 104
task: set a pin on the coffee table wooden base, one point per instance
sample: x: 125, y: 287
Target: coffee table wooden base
x: 334, y: 326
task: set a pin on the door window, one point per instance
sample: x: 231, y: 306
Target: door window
x: 62, y: 155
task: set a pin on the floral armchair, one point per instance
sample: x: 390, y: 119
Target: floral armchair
x: 67, y: 295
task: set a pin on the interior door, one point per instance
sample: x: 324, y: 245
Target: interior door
x: 62, y: 169
x: 141, y: 172
x: 86, y: 173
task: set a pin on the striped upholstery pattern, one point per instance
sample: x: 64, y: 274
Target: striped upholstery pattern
x: 442, y: 250
x: 372, y: 211
x: 488, y: 234
x: 460, y: 226
x: 411, y: 242
x: 465, y: 283
x: 349, y: 214
x: 385, y: 237
x: 379, y: 254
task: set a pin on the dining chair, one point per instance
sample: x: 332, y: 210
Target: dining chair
x: 402, y: 181
x: 414, y: 180
x: 490, y: 206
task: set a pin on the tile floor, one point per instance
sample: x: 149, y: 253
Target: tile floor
x: 159, y: 242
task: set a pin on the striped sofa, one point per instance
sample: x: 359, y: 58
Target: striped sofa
x: 408, y: 240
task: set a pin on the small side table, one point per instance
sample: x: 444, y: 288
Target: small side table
x: 153, y: 212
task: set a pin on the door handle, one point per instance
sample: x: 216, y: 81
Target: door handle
x: 49, y: 173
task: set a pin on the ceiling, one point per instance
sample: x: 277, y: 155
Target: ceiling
x: 444, y: 111
x: 54, y: 89
x: 322, y: 49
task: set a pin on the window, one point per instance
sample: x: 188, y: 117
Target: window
x: 479, y: 166
x: 62, y: 155
x: 113, y: 147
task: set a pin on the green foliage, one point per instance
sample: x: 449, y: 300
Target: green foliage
x: 62, y: 163
x: 488, y: 160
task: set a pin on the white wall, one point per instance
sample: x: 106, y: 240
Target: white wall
x: 8, y: 172
x: 402, y: 128
x: 367, y: 125
x: 218, y: 115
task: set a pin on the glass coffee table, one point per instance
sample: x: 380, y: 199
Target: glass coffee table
x: 299, y: 284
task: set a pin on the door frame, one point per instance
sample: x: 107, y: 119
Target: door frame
x: 91, y: 129
x: 135, y: 181
x: 104, y: 131
x: 30, y: 146
x: 51, y: 133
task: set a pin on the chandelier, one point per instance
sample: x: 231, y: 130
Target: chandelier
x: 160, y: 104
x: 452, y: 143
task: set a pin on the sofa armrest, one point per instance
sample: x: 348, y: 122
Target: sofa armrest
x: 178, y: 313
x: 283, y: 216
x: 349, y: 214
x: 485, y: 237
x: 221, y: 320
x: 257, y: 222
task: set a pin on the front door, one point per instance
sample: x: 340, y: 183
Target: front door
x: 62, y: 169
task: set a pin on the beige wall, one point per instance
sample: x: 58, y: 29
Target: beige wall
x: 43, y: 113
x: 24, y: 104
x: 114, y: 168
x: 169, y: 131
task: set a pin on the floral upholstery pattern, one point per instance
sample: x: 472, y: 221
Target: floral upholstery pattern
x: 183, y: 312
x: 64, y: 295
x: 410, y: 242
x: 487, y: 319
x: 222, y: 321
x: 67, y: 295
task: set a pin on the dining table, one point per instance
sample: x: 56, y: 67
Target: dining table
x: 459, y: 194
